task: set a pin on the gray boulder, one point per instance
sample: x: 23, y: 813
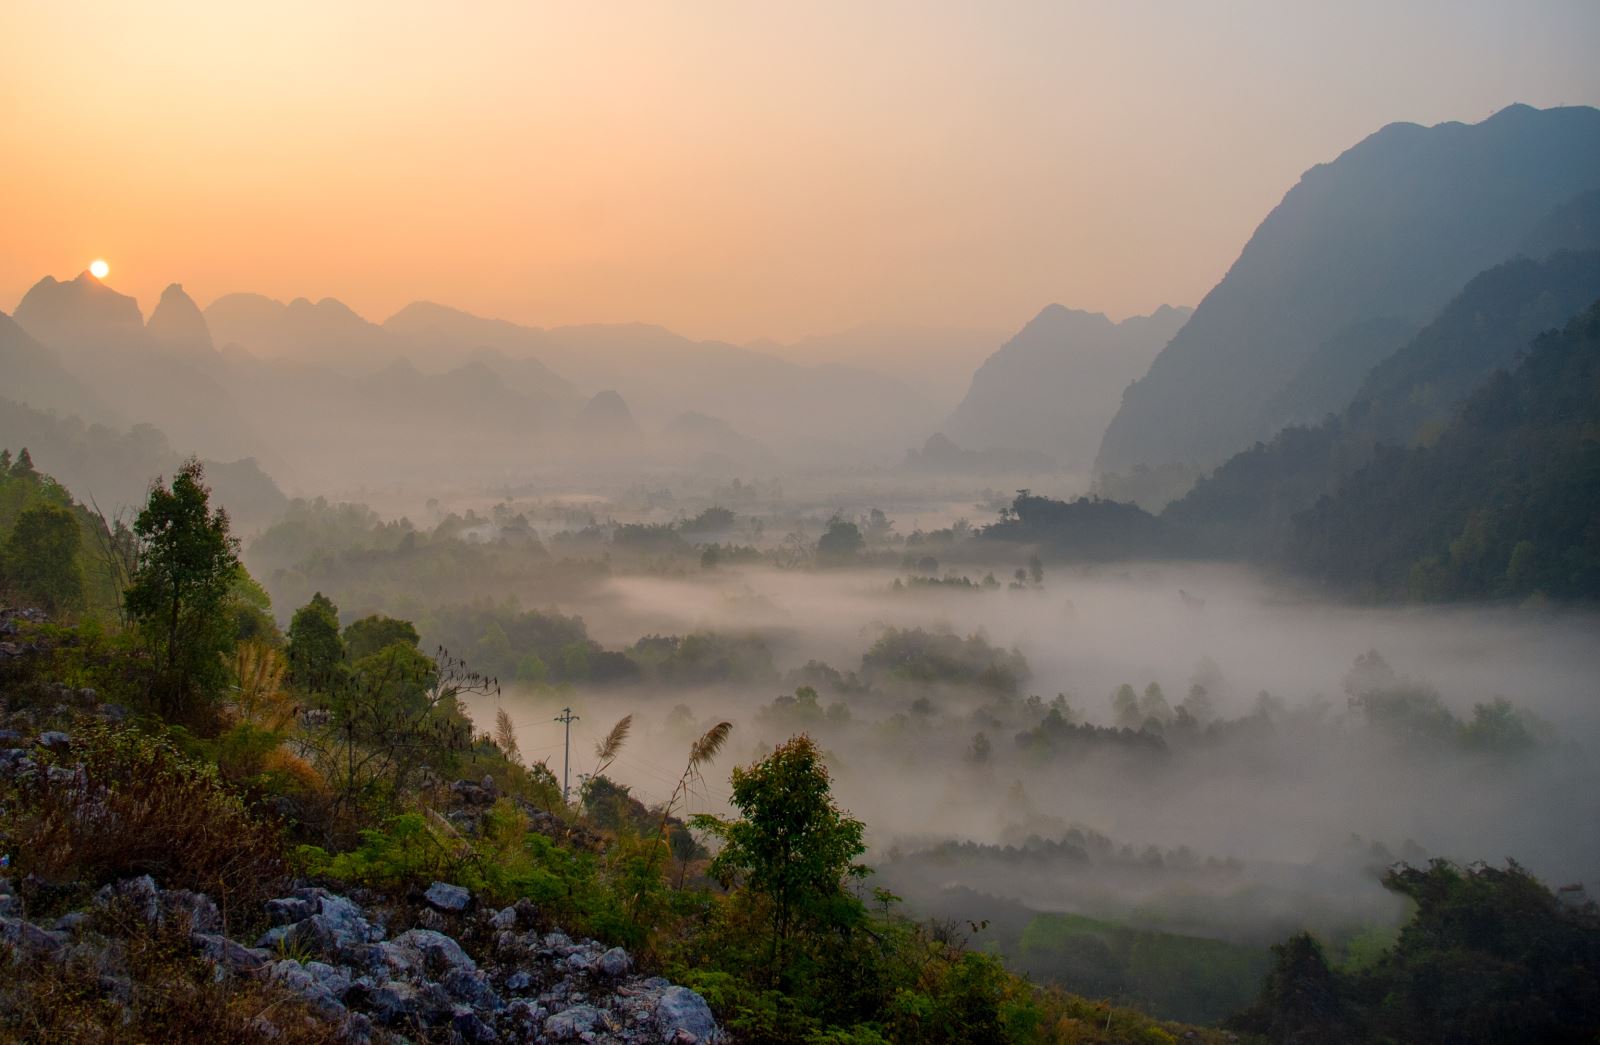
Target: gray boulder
x: 614, y: 963
x: 468, y: 1027
x: 28, y: 939
x: 683, y: 1016
x: 451, y: 899
x: 570, y: 1024
x: 438, y: 953
x: 228, y: 954
x: 320, y: 985
x: 472, y: 987
x: 141, y: 894
x: 195, y: 908
x: 55, y: 741
x: 394, y: 1002
x: 286, y: 910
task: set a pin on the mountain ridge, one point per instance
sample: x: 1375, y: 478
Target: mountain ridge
x: 1390, y: 229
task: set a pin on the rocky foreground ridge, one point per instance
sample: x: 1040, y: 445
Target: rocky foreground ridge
x: 439, y: 966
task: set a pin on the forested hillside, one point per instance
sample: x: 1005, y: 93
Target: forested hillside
x: 1506, y: 502
x: 1245, y: 508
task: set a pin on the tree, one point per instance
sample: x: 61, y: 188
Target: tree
x: 40, y: 559
x: 1125, y: 707
x: 1153, y: 705
x: 793, y: 848
x: 841, y: 541
x: 1489, y: 955
x: 316, y: 652
x: 24, y: 469
x: 371, y: 634
x: 1301, y: 1000
x: 184, y: 571
x: 393, y: 716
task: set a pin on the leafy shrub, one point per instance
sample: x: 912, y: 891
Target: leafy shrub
x: 503, y: 861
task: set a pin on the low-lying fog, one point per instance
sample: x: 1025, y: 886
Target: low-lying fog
x: 1304, y: 796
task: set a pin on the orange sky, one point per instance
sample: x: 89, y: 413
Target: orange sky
x: 731, y: 170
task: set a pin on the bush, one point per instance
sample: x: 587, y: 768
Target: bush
x: 503, y: 861
x: 138, y: 806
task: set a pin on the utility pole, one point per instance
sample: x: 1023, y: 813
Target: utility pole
x: 566, y: 718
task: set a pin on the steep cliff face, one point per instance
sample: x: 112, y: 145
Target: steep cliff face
x: 1387, y: 234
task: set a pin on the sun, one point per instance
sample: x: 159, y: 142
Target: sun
x: 99, y: 269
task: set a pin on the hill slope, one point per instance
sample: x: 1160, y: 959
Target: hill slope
x: 1386, y: 232
x: 1506, y: 503
x: 1245, y: 507
x: 1053, y: 387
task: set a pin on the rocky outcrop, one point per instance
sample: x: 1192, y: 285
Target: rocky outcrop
x: 338, y: 955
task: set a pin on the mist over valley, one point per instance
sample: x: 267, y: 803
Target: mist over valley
x: 1053, y: 525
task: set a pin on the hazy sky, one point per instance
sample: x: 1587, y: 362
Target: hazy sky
x: 728, y: 169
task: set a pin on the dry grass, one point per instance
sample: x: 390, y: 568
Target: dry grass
x: 262, y: 701
x: 140, y: 983
x: 140, y: 807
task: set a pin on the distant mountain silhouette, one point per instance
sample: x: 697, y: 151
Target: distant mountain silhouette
x: 177, y: 324
x: 424, y: 330
x: 34, y: 374
x: 114, y: 467
x: 936, y: 362
x: 141, y: 374
x: 711, y: 444
x: 327, y: 332
x: 607, y: 417
x: 1575, y: 225
x: 437, y: 388
x: 79, y: 315
x: 1387, y: 232
x: 1053, y: 387
x: 816, y: 412
x: 939, y: 454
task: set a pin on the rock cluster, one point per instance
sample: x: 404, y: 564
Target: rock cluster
x: 527, y: 986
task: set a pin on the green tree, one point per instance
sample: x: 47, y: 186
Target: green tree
x: 793, y: 848
x: 371, y: 634
x: 1489, y: 955
x: 186, y: 565
x: 393, y: 715
x: 316, y: 652
x: 252, y: 610
x: 23, y: 469
x: 40, y: 559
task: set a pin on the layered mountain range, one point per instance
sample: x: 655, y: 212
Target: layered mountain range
x: 436, y: 388
x: 1385, y: 288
